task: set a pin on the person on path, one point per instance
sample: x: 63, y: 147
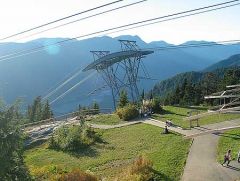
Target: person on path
x: 166, y: 129
x: 227, y: 157
x: 238, y: 157
x: 140, y: 113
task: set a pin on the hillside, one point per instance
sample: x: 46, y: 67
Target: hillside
x: 229, y: 62
x: 37, y: 74
x: 166, y: 86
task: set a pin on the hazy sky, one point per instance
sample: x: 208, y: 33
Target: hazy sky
x: 18, y: 15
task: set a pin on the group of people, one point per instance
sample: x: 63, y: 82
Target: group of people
x: 228, y: 157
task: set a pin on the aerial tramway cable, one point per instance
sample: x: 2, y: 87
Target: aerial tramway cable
x: 153, y: 20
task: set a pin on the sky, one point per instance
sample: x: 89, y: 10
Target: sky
x: 19, y: 15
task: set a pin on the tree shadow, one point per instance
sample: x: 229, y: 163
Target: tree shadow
x: 229, y: 135
x: 86, y: 150
x: 170, y: 112
x: 160, y: 176
x: 30, y: 145
x: 202, y: 128
x: 82, y: 152
x: 170, y: 132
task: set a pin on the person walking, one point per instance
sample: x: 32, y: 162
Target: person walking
x: 239, y: 156
x: 227, y: 157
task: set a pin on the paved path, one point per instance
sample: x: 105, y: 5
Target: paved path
x: 201, y: 162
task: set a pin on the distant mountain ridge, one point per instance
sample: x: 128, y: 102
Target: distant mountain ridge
x: 229, y: 62
x: 39, y: 73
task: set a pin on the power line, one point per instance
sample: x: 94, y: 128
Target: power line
x: 207, y: 44
x: 81, y: 19
x: 152, y: 48
x: 73, y: 87
x: 62, y: 84
x: 40, y: 48
x: 169, y: 19
x: 61, y: 19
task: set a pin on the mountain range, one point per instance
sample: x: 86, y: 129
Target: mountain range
x: 37, y: 74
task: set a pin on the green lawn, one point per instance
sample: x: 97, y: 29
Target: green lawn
x: 107, y: 119
x: 176, y: 115
x: 168, y: 153
x: 229, y: 140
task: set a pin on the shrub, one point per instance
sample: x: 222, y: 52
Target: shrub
x: 156, y: 106
x: 72, y: 138
x: 123, y: 99
x: 78, y: 175
x: 48, y: 172
x: 119, y: 112
x: 140, y: 170
x: 128, y: 112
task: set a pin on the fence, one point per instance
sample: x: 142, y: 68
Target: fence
x: 67, y: 116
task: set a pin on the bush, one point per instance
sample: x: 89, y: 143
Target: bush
x: 53, y: 172
x: 140, y: 170
x: 48, y: 172
x: 78, y: 175
x: 128, y: 112
x: 156, y: 105
x: 72, y: 138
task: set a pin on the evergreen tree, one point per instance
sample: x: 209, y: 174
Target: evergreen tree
x: 39, y: 111
x: 177, y: 95
x: 142, y: 95
x: 123, y: 99
x: 193, y: 94
x: 151, y: 95
x: 79, y: 107
x: 96, y: 107
x: 183, y: 88
x: 198, y: 96
x: 188, y: 97
x: 209, y: 83
x: 47, y: 113
x: 11, y: 147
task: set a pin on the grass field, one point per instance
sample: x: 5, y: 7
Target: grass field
x: 122, y: 145
x: 176, y: 115
x: 106, y: 119
x: 229, y: 140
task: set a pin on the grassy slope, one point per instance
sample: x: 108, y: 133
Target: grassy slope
x: 107, y: 119
x: 229, y: 140
x: 176, y: 115
x: 168, y: 152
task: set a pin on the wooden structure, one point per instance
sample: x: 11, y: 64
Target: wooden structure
x: 229, y: 98
x: 195, y: 119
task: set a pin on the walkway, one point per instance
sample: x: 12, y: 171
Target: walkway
x: 201, y: 163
